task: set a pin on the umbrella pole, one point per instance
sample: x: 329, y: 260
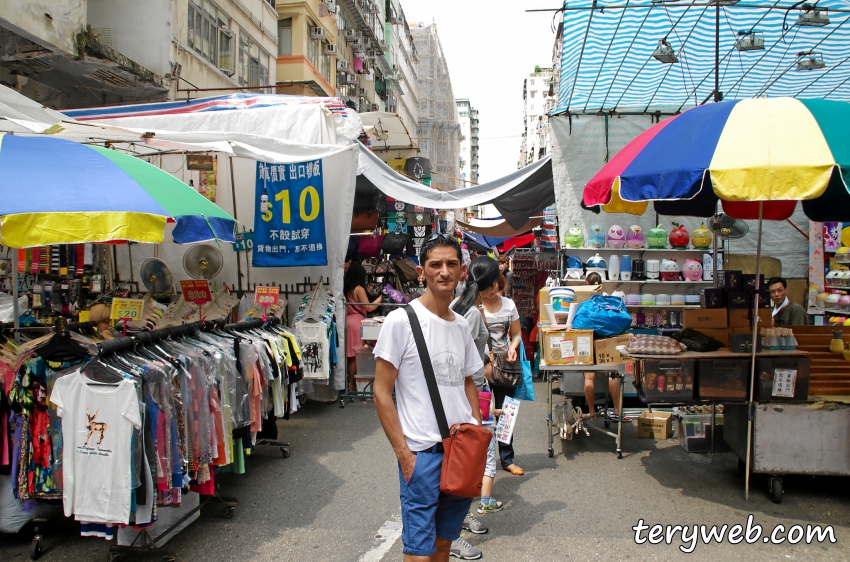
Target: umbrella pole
x: 750, y: 409
x: 16, y: 314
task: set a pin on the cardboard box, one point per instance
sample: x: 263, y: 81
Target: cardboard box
x: 655, y: 425
x: 567, y: 347
x: 720, y: 334
x: 740, y: 318
x: 712, y: 297
x: 699, y: 318
x: 738, y: 299
x: 730, y: 279
x: 606, y: 349
x: 749, y: 281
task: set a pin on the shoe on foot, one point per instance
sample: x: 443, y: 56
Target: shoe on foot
x: 473, y: 525
x: 491, y: 507
x: 514, y: 469
x: 463, y: 550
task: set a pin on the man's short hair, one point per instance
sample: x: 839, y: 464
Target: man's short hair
x: 438, y: 240
x: 504, y: 259
x: 775, y: 280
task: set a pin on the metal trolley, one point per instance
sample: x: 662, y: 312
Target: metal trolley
x: 574, y: 422
x: 366, y: 334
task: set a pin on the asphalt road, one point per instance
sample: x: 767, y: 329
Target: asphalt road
x: 336, y: 499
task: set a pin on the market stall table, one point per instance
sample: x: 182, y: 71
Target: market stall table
x: 561, y: 371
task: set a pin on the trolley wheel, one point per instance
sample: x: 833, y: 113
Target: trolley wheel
x: 285, y: 452
x: 227, y: 512
x: 607, y: 424
x: 551, y: 453
x: 342, y: 402
x: 619, y: 454
x: 302, y: 399
x: 742, y: 466
x: 776, y: 489
x: 35, y: 549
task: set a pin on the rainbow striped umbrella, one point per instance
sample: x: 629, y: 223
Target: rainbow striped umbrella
x: 55, y: 191
x: 777, y: 150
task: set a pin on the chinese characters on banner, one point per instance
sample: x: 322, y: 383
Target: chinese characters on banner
x: 289, y: 217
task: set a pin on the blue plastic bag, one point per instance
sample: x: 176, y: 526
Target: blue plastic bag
x: 525, y: 388
x: 606, y: 316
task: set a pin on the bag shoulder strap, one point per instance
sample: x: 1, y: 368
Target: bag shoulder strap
x: 428, y: 369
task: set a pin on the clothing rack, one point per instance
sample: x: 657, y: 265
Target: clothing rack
x: 144, y: 543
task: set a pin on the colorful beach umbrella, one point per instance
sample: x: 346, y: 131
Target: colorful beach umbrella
x: 55, y: 191
x: 777, y: 150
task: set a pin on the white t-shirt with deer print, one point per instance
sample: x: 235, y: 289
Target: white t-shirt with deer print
x: 98, y: 422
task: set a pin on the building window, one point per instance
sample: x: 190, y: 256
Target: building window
x: 253, y: 63
x: 533, y: 94
x: 531, y: 82
x: 284, y: 37
x: 312, y: 47
x: 531, y: 107
x: 324, y: 63
x: 208, y: 34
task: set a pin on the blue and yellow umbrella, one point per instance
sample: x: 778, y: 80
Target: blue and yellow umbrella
x: 55, y: 191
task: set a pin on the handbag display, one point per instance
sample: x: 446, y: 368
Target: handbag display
x: 370, y: 246
x: 364, y: 220
x: 394, y: 243
x: 406, y: 269
x: 464, y: 444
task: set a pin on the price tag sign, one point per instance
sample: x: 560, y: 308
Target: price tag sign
x: 244, y: 241
x: 266, y: 296
x: 196, y: 290
x: 129, y: 309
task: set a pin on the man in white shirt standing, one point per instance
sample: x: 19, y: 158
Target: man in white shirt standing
x: 431, y: 519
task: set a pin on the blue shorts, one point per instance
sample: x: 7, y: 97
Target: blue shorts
x: 426, y: 512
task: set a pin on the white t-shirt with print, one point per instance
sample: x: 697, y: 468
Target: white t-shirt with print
x: 499, y: 324
x: 97, y: 431
x: 453, y: 357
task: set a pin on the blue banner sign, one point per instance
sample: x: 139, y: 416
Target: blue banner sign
x: 289, y: 215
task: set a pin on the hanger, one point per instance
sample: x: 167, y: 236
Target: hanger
x: 60, y: 347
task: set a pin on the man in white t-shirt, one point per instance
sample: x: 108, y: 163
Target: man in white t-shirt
x: 431, y: 519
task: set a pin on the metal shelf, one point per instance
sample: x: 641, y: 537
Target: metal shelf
x: 607, y: 249
x: 662, y: 306
x: 653, y: 282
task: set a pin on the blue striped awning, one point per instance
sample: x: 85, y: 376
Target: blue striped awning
x: 607, y: 63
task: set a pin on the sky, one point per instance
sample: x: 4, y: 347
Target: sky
x: 490, y: 47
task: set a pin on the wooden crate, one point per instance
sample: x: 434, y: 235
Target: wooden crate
x: 830, y: 372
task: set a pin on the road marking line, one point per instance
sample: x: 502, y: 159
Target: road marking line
x: 386, y: 537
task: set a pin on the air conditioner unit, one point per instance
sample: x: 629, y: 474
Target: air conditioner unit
x: 373, y: 107
x: 395, y: 69
x: 398, y: 21
x: 361, y: 91
x: 317, y: 33
x: 331, y: 5
x: 350, y: 35
x: 373, y: 53
x: 331, y: 50
x: 383, y: 44
x: 342, y: 65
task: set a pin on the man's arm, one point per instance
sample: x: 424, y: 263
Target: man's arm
x: 472, y: 396
x: 385, y: 376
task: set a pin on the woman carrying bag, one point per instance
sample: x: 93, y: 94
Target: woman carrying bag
x: 502, y: 320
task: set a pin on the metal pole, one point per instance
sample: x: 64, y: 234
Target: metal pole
x: 717, y: 95
x: 750, y: 410
x: 15, y: 312
x: 238, y: 257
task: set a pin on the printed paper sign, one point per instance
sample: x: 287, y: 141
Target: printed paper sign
x: 784, y: 381
x: 266, y: 296
x: 196, y: 290
x: 567, y: 349
x: 584, y: 347
x: 127, y: 308
x: 289, y: 215
x: 507, y: 421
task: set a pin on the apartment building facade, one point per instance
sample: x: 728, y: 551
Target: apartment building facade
x: 539, y: 98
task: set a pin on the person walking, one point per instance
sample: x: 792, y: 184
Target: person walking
x: 354, y: 289
x: 483, y: 273
x: 431, y: 519
x: 502, y: 319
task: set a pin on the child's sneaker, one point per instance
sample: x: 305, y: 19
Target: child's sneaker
x: 492, y: 507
